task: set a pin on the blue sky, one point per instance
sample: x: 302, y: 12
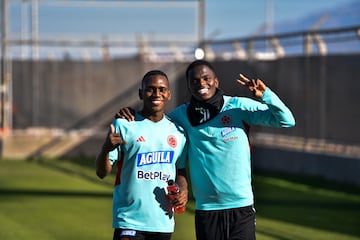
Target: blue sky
x: 224, y: 19
x: 242, y: 18
x: 124, y: 21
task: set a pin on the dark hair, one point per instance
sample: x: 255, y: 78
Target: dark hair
x: 152, y: 73
x: 198, y: 63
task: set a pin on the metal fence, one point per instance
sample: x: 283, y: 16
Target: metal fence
x: 147, y: 49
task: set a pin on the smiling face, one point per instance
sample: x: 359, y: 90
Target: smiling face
x: 155, y: 94
x: 202, y: 82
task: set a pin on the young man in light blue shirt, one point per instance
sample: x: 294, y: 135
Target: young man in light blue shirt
x: 148, y: 153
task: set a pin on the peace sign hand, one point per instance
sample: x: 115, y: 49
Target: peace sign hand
x: 257, y: 87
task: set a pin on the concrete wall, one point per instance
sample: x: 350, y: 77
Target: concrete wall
x: 321, y: 91
x: 77, y: 96
x: 343, y: 169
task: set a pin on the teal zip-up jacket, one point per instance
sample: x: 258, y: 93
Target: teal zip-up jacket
x: 219, y: 150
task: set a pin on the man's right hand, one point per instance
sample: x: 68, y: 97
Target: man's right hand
x: 126, y: 113
x: 113, y: 140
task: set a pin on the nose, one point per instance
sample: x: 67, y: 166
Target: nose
x: 156, y: 92
x: 202, y: 82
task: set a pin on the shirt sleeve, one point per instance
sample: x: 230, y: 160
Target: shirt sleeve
x: 273, y: 112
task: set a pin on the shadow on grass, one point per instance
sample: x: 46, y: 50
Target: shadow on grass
x: 311, y: 181
x: 309, y: 204
x: 46, y: 193
x: 299, y: 200
x: 81, y: 167
x: 308, y: 201
x: 274, y: 235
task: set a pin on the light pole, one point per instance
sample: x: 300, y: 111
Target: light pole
x: 3, y: 69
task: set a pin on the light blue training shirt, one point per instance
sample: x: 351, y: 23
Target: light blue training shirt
x: 145, y: 164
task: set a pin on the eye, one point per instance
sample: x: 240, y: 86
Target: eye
x: 163, y: 89
x: 194, y: 81
x: 149, y: 90
x: 208, y: 78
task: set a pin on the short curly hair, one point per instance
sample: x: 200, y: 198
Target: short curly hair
x: 198, y: 63
x: 152, y: 73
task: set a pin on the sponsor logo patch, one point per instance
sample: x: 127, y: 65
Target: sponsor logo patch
x: 231, y: 138
x: 128, y: 233
x: 159, y: 157
x: 227, y: 131
x: 153, y: 175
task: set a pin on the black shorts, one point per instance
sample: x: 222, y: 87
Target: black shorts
x: 235, y: 223
x: 127, y: 234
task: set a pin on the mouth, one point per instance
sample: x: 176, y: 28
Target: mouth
x: 156, y: 102
x: 203, y: 91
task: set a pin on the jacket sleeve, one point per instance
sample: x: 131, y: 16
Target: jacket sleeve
x: 275, y: 114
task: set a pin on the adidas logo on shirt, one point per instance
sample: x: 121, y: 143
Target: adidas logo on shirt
x: 141, y: 139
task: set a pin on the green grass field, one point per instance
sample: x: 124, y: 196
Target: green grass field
x: 60, y: 199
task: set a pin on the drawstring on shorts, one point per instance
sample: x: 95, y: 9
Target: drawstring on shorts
x: 227, y: 224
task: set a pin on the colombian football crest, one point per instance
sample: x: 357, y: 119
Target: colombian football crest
x: 172, y: 141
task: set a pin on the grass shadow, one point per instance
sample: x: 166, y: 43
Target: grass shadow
x: 308, y: 201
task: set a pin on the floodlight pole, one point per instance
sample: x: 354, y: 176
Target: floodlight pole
x: 3, y: 73
x: 201, y: 21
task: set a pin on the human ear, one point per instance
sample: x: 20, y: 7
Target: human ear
x: 216, y: 82
x: 169, y: 95
x: 141, y: 94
